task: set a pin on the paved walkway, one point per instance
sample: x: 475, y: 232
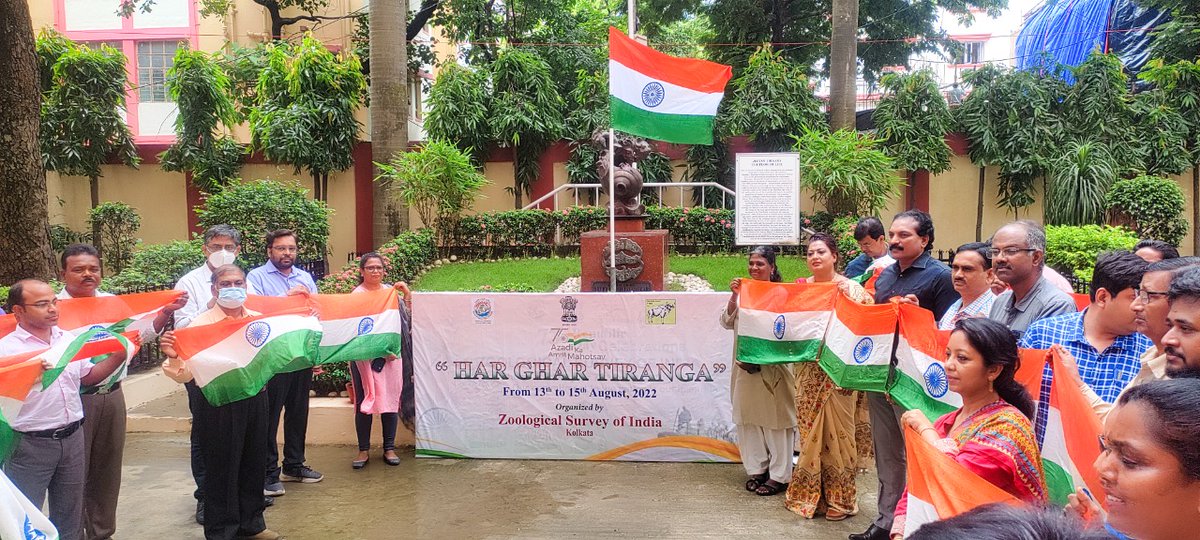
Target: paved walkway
x: 486, y: 499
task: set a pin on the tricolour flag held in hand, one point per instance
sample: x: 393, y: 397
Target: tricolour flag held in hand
x: 662, y: 97
x: 941, y: 488
x: 359, y: 326
x: 782, y: 322
x: 115, y: 313
x: 1071, y: 444
x: 233, y: 360
x: 19, y: 518
x: 867, y: 279
x: 857, y: 352
x: 920, y: 376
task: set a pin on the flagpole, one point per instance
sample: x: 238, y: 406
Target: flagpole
x: 612, y: 213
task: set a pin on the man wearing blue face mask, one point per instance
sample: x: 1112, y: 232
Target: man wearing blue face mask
x: 235, y: 435
x: 222, y: 244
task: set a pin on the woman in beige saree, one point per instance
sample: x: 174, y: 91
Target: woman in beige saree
x: 823, y: 478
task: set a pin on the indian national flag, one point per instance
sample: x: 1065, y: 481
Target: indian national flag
x: 233, y: 360
x: 867, y: 279
x: 8, y: 323
x: 782, y: 322
x: 662, y: 97
x: 920, y: 376
x: 857, y: 352
x: 116, y: 313
x: 19, y: 518
x: 941, y: 488
x: 359, y: 326
x: 1072, y: 434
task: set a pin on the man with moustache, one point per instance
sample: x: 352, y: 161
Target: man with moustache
x: 1151, y: 307
x: 1181, y: 343
x: 971, y: 270
x: 1018, y: 255
x: 103, y: 403
x: 286, y: 391
x: 916, y: 278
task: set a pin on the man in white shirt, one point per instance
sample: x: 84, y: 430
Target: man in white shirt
x: 104, y: 403
x: 222, y: 244
x: 50, y: 455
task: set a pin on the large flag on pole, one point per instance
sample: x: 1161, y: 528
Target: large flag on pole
x: 662, y: 97
x: 941, y: 488
x: 782, y: 322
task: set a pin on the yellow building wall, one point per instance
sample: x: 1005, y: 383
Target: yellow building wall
x: 340, y: 200
x: 159, y: 197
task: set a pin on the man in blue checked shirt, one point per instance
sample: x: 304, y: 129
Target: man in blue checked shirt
x: 1103, y: 338
x: 286, y: 392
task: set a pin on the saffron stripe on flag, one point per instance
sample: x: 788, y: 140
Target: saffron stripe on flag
x: 694, y: 73
x: 1071, y: 444
x: 920, y: 377
x: 857, y: 351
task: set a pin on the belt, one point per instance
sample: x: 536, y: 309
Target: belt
x: 101, y: 390
x: 56, y: 434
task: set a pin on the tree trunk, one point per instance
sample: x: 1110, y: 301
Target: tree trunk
x: 317, y: 186
x: 979, y: 209
x: 94, y: 188
x: 389, y: 112
x: 25, y: 241
x: 1195, y: 208
x: 843, y: 64
x: 518, y: 201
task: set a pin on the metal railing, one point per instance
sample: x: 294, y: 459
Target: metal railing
x: 658, y: 186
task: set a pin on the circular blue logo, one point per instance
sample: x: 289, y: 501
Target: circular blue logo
x: 99, y: 335
x: 862, y: 350
x: 935, y: 380
x: 780, y: 327
x: 653, y: 94
x: 365, y: 325
x: 257, y: 333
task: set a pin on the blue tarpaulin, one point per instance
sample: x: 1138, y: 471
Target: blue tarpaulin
x: 1066, y: 31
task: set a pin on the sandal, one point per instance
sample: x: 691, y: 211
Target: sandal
x: 834, y: 515
x: 755, y: 481
x: 769, y: 488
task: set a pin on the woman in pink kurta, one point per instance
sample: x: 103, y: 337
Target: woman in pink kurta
x: 378, y: 383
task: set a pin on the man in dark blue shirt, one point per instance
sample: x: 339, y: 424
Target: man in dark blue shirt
x: 874, y: 245
x: 917, y: 278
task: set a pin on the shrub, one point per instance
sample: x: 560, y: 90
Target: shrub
x: 331, y: 378
x: 157, y: 265
x: 846, y: 170
x: 1073, y: 249
x: 117, y: 223
x: 843, y: 231
x: 405, y: 256
x: 258, y: 207
x: 704, y: 229
x: 62, y: 236
x: 1152, y: 206
x: 438, y: 180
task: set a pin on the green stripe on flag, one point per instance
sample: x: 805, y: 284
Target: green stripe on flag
x: 851, y: 377
x: 753, y: 350
x: 1058, y: 482
x: 241, y: 383
x: 364, y: 347
x: 673, y: 128
x: 911, y: 394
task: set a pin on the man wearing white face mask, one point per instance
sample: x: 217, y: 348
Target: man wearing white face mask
x: 222, y: 244
x: 235, y: 434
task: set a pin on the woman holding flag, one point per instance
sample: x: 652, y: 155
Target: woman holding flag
x: 991, y: 434
x: 378, y: 383
x: 763, y: 397
x: 824, y: 475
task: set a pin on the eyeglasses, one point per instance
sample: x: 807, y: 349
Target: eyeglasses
x: 1009, y: 251
x: 43, y: 304
x: 1148, y: 296
x: 373, y: 268
x: 286, y: 249
x: 219, y: 247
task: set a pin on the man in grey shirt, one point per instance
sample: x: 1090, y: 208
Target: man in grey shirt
x: 1018, y: 254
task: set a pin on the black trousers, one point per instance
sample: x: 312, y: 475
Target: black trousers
x: 194, y: 397
x: 362, y: 421
x: 234, y: 456
x: 288, y: 393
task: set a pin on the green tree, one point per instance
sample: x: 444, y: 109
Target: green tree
x: 458, y: 110
x: 1151, y: 205
x: 1099, y: 108
x: 439, y: 181
x: 306, y: 99
x: 1078, y: 182
x: 283, y: 13
x: 588, y: 104
x: 913, y: 118
x: 81, y: 122
x: 118, y: 223
x: 526, y: 112
x: 266, y: 205
x: 1180, y: 82
x: 202, y: 147
x: 771, y: 102
x: 1162, y: 133
x: 710, y: 163
x: 847, y: 171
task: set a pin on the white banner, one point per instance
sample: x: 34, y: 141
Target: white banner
x: 629, y: 376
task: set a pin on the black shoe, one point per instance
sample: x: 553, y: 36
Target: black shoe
x: 872, y: 533
x: 200, y: 513
x: 268, y: 501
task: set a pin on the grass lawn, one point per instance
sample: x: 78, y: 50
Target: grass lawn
x: 544, y: 275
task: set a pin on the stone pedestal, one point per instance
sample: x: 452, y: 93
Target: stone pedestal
x: 641, y: 257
